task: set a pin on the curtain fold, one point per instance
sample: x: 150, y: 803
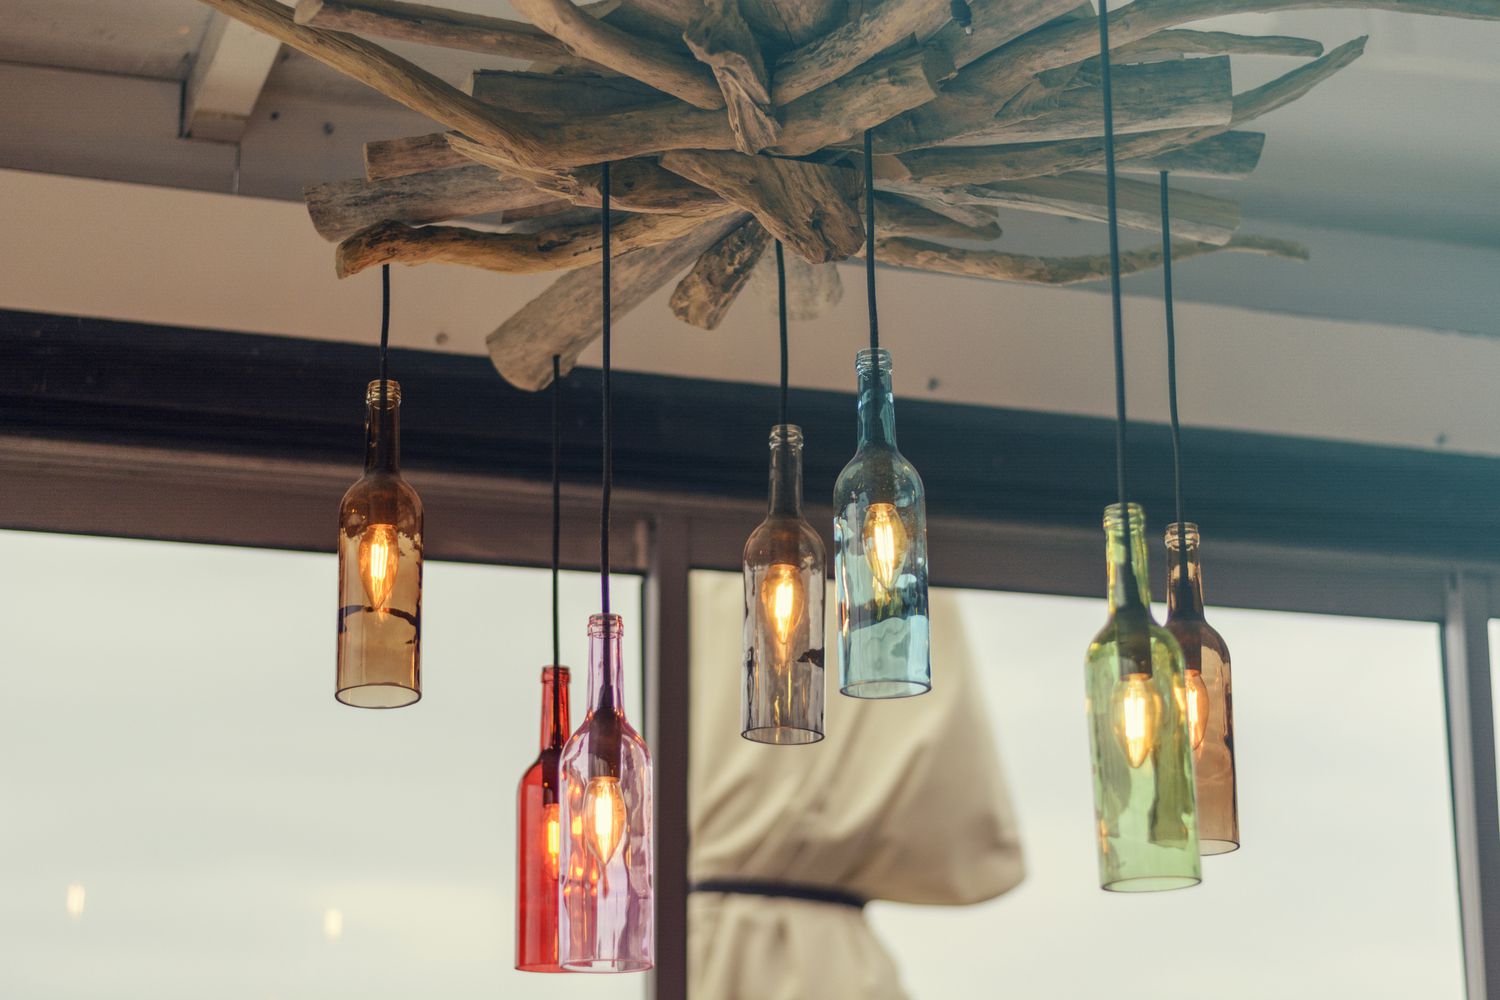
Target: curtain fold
x: 904, y: 801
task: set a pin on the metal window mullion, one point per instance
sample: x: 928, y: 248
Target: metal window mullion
x: 1471, y: 753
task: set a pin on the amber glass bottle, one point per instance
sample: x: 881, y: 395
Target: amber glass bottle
x: 1210, y: 699
x: 539, y: 834
x: 380, y: 570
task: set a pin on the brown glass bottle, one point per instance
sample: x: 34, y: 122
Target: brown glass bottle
x: 1209, y: 693
x: 380, y: 570
x: 539, y: 834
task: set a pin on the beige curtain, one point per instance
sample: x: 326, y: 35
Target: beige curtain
x: 903, y: 800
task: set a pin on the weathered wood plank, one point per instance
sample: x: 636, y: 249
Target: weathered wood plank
x: 1196, y: 217
x: 552, y: 95
x: 1285, y: 89
x: 342, y: 207
x: 875, y: 93
x: 805, y: 205
x: 703, y: 297
x: 425, y: 25
x: 388, y: 158
x: 879, y: 27
x: 898, y: 216
x: 565, y: 318
x: 1176, y: 43
x: 722, y: 40
x: 786, y: 24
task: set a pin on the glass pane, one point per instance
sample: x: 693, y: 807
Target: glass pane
x: 1345, y: 885
x: 189, y: 813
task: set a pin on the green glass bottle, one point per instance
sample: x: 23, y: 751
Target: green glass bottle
x: 1144, y: 799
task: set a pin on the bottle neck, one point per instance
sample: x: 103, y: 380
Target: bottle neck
x: 606, y: 671
x: 383, y: 437
x: 1129, y: 581
x: 877, y: 409
x: 556, y: 721
x: 1184, y: 582
x: 786, y: 479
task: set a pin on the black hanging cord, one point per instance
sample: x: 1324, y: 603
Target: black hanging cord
x: 781, y: 315
x: 556, y: 509
x: 1114, y: 272
x: 1166, y: 273
x: 607, y: 430
x: 870, y: 240
x: 385, y: 329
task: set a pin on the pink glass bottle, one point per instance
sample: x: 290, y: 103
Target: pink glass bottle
x: 539, y: 834
x: 606, y: 896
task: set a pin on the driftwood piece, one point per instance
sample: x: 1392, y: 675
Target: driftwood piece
x: 638, y: 185
x: 898, y: 216
x: 1226, y: 156
x: 875, y: 93
x: 1196, y: 217
x: 411, y: 22
x: 722, y: 40
x: 552, y: 249
x: 552, y: 95
x: 564, y: 319
x: 342, y: 207
x: 1188, y: 93
x: 1174, y: 43
x: 878, y: 28
x: 703, y: 297
x: 651, y: 63
x: 994, y: 23
x: 789, y: 23
x: 805, y: 205
x: 398, y: 79
x: 1285, y: 89
x: 387, y: 158
x: 997, y: 266
x: 812, y: 290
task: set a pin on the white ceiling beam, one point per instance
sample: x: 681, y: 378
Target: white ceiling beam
x: 228, y: 73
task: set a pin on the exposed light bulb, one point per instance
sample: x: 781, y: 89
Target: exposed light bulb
x: 603, y: 816
x: 553, y: 825
x: 886, y: 543
x: 1197, y: 707
x: 378, y: 553
x: 782, y: 598
x: 1137, y: 712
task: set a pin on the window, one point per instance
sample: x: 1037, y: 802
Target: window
x: 188, y: 812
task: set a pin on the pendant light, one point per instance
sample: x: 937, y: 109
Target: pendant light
x: 1147, y: 836
x: 380, y: 557
x: 784, y: 571
x: 1210, y: 700
x: 608, y: 856
x: 539, y: 801
x: 880, y: 530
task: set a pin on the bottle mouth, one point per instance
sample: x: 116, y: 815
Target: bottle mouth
x: 790, y: 433
x: 555, y: 673
x: 1190, y: 535
x: 873, y: 360
x: 392, y: 392
x: 610, y: 625
x: 1113, y: 521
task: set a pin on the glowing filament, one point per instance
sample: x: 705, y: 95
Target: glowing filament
x: 885, y: 545
x: 603, y: 816
x: 1137, y: 710
x: 377, y: 563
x: 553, y: 827
x: 782, y: 599
x: 1197, y: 707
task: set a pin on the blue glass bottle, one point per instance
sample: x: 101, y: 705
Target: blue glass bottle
x: 880, y: 552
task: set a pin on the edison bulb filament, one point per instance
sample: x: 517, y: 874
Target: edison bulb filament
x: 1137, y: 711
x: 378, y: 555
x: 1197, y: 707
x: 603, y: 816
x: 886, y: 542
x: 782, y: 599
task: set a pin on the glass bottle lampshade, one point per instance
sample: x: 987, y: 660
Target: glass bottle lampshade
x: 1210, y: 696
x: 1138, y: 732
x: 880, y: 552
x: 380, y: 570
x: 539, y: 834
x: 784, y: 571
x: 606, y: 894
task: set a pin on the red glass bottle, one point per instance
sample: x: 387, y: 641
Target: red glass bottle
x: 539, y: 836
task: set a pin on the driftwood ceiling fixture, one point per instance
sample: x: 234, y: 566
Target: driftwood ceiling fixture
x: 730, y: 122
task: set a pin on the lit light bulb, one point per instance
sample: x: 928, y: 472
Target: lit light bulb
x: 885, y: 541
x: 1197, y: 707
x: 553, y: 826
x: 782, y: 598
x: 1137, y: 710
x: 377, y: 563
x: 603, y: 816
